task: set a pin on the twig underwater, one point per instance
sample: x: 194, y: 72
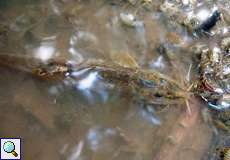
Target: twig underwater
x: 147, y: 86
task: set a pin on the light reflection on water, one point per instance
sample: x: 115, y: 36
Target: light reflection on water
x: 148, y: 114
x: 90, y: 86
x: 88, y: 82
x: 45, y: 51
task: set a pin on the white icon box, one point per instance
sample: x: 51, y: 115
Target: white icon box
x: 10, y: 149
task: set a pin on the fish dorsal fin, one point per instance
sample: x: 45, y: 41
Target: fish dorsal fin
x: 124, y: 59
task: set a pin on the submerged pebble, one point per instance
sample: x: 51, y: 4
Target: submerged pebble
x: 129, y: 20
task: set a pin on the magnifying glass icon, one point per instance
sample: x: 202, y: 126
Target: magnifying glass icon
x: 9, y: 147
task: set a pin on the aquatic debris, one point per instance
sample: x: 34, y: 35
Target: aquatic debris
x: 200, y: 23
x: 48, y: 70
x: 227, y: 154
x: 129, y: 20
x: 214, y: 76
x: 209, y: 23
x: 124, y: 59
x: 223, y: 153
x: 197, y: 20
x: 147, y: 86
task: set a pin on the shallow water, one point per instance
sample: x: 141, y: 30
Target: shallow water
x: 86, y: 118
